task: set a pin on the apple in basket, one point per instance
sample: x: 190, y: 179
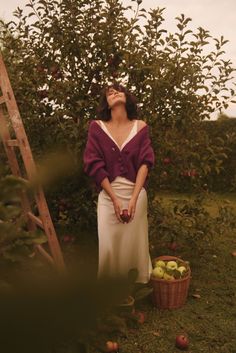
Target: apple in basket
x: 168, y: 277
x: 171, y: 265
x: 160, y: 263
x: 124, y: 216
x: 158, y: 272
x: 182, y: 269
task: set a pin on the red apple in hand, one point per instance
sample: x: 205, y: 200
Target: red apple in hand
x: 124, y: 216
x: 181, y: 342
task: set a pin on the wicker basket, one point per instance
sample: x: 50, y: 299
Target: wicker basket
x: 170, y: 294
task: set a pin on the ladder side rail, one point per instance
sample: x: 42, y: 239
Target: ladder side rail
x: 29, y: 163
x: 15, y: 168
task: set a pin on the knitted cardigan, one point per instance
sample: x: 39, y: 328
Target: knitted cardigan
x: 102, y: 158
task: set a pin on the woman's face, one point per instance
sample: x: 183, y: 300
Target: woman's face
x: 115, y: 97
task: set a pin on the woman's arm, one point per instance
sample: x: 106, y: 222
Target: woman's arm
x: 108, y: 188
x: 145, y: 164
x: 116, y: 202
x: 140, y: 179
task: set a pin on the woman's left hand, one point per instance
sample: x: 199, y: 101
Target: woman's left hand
x: 132, y: 207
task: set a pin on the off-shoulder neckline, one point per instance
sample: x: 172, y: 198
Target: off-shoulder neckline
x: 145, y: 127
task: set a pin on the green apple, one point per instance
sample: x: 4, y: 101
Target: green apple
x: 160, y: 263
x: 172, y: 265
x: 181, y: 269
x: 158, y: 272
x: 168, y: 277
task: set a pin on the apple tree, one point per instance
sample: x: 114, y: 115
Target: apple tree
x: 61, y: 53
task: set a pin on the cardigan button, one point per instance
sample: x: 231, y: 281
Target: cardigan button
x: 113, y: 149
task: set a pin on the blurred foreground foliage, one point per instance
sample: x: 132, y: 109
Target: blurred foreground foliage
x: 47, y: 313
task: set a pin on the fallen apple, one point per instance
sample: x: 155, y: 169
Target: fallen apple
x: 140, y: 317
x: 112, y: 346
x: 109, y: 346
x: 158, y: 272
x: 181, y: 342
x: 125, y: 216
x: 172, y: 265
x: 115, y: 346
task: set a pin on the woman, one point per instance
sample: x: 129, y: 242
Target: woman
x: 118, y: 156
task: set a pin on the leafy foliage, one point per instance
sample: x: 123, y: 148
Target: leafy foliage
x: 222, y: 132
x: 187, y: 222
x: 62, y: 53
x: 16, y: 242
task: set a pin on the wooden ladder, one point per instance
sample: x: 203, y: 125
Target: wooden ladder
x: 21, y: 142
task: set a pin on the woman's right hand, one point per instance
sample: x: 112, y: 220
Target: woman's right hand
x: 118, y: 208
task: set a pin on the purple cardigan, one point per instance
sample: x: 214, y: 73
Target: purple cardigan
x: 102, y: 157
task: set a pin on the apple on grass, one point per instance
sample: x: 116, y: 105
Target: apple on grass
x: 158, y: 272
x: 112, y: 346
x: 181, y: 342
x: 141, y: 317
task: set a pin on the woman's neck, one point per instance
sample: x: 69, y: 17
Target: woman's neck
x: 119, y: 115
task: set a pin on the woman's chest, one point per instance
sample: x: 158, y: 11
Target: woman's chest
x: 121, y: 134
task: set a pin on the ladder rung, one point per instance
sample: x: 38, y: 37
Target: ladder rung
x: 2, y: 100
x: 45, y: 253
x: 12, y: 143
x: 26, y: 181
x: 35, y: 219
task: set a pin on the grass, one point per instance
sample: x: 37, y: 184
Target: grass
x: 209, y: 321
x: 212, y: 199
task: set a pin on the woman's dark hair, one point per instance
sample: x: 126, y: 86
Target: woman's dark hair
x: 104, y: 112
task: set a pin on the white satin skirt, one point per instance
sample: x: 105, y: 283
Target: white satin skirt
x: 123, y: 246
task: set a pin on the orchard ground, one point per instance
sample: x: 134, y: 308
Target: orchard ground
x: 209, y: 315
x: 208, y: 319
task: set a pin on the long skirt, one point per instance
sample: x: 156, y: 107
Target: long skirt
x: 123, y: 246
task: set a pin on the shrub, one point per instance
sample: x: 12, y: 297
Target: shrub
x: 188, y: 222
